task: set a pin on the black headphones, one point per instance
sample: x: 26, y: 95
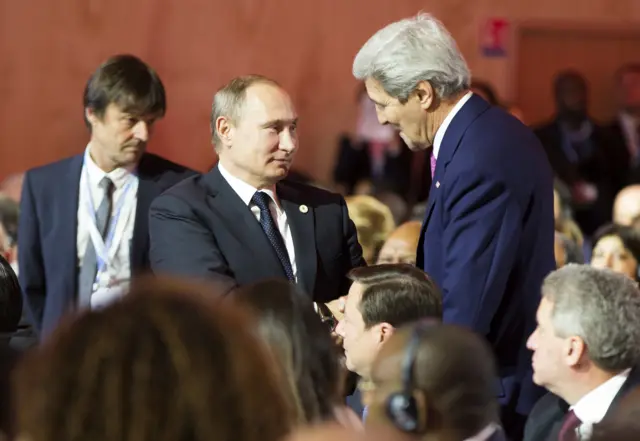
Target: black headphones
x: 402, y: 407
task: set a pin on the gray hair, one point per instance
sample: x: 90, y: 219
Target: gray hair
x: 412, y: 50
x: 229, y: 99
x: 601, y: 307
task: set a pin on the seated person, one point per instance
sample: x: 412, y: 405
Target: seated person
x: 436, y: 383
x: 401, y: 245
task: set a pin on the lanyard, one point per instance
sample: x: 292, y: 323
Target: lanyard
x: 106, y: 249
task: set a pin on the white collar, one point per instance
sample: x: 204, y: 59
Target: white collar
x: 485, y: 433
x: 592, y: 407
x: 119, y: 176
x: 244, y: 190
x: 437, y: 141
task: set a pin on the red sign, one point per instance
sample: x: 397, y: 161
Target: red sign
x: 494, y: 37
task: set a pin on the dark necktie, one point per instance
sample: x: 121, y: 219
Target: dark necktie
x: 570, y: 424
x: 87, y: 274
x: 261, y: 200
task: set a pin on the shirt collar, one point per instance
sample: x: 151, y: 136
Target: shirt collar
x: 592, y: 408
x: 437, y: 141
x: 244, y: 190
x: 119, y: 176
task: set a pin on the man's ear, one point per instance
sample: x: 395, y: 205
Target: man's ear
x: 91, y: 116
x: 425, y: 94
x: 386, y: 331
x: 224, y: 129
x: 575, y: 350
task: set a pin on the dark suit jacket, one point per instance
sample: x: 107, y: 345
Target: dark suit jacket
x: 47, y: 251
x: 626, y: 171
x: 487, y: 239
x: 201, y: 228
x: 545, y: 420
x: 606, y: 168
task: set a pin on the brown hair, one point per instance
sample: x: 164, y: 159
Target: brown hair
x: 163, y: 364
x: 229, y: 99
x: 396, y: 293
x: 127, y: 81
x: 301, y: 343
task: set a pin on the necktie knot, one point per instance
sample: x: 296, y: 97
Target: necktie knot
x: 106, y: 184
x: 261, y: 200
x: 569, y: 427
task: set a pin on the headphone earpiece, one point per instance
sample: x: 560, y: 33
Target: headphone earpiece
x: 405, y: 411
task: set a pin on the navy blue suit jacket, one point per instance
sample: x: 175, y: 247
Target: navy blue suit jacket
x: 487, y: 238
x: 47, y: 251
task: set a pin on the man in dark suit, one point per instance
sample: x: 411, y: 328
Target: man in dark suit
x: 488, y: 234
x: 244, y: 222
x: 582, y: 154
x: 83, y: 224
x: 585, y: 350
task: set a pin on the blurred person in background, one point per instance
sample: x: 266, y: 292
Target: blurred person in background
x: 626, y: 207
x: 617, y: 247
x: 162, y: 364
x: 436, y: 383
x: 301, y: 343
x: 9, y: 213
x: 374, y: 222
x: 401, y: 245
x: 12, y: 186
x: 579, y: 151
x: 625, y: 128
x: 10, y: 313
x: 566, y: 251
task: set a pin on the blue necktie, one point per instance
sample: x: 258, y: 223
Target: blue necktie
x: 261, y: 200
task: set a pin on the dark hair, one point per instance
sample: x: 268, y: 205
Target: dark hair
x: 10, y: 297
x: 163, y: 364
x: 301, y: 344
x: 487, y: 90
x: 567, y: 77
x: 629, y: 237
x: 125, y: 80
x: 455, y: 370
x: 9, y: 210
x: 396, y: 294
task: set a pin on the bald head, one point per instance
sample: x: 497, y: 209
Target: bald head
x: 401, y: 245
x: 627, y: 205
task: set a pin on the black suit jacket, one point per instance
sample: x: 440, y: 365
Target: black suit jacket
x: 47, y: 251
x: 545, y: 420
x: 201, y: 228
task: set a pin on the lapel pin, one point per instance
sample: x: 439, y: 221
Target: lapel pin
x: 437, y: 184
x: 303, y: 208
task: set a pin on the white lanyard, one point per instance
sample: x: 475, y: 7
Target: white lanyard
x: 107, y: 249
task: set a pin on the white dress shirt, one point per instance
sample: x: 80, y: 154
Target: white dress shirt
x: 630, y: 130
x: 119, y: 270
x: 592, y: 408
x: 437, y: 140
x: 245, y: 192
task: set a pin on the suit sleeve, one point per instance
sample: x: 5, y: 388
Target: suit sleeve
x: 30, y: 261
x: 352, y: 245
x: 480, y: 239
x: 182, y: 245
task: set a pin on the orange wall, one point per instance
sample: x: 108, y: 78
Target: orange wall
x: 49, y: 48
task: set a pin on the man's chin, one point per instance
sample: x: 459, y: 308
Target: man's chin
x: 414, y: 146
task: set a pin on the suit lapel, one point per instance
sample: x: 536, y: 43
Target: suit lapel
x: 69, y: 194
x: 240, y: 222
x: 452, y: 137
x: 302, y: 224
x: 147, y: 191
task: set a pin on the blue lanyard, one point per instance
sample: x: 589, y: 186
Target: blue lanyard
x: 106, y: 245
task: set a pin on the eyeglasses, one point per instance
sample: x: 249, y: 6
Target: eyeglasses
x: 326, y: 316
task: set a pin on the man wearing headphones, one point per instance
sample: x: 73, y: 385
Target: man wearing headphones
x: 436, y: 382
x: 382, y: 298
